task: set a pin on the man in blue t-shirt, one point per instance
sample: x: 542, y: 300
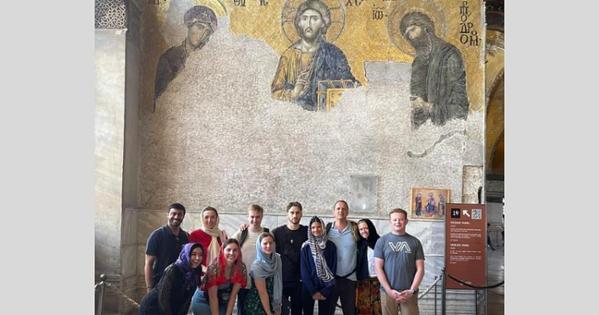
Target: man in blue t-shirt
x: 344, y: 233
x: 399, y: 266
x: 164, y: 245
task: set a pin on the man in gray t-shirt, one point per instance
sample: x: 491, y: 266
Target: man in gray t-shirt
x: 399, y: 266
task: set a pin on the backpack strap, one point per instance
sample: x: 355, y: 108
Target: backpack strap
x: 243, y: 237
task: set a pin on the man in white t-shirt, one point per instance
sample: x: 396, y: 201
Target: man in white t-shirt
x: 247, y: 237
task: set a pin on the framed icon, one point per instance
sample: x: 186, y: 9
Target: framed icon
x: 429, y: 203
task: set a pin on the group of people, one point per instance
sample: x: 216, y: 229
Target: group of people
x: 283, y: 271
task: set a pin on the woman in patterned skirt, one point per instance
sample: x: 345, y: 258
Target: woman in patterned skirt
x: 368, y: 298
x: 265, y: 295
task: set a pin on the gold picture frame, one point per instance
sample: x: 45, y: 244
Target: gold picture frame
x: 429, y: 203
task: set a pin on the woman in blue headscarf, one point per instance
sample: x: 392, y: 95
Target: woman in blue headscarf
x: 265, y: 295
x: 318, y: 261
x: 172, y: 295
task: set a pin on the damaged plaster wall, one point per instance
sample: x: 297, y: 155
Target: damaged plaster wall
x: 218, y: 138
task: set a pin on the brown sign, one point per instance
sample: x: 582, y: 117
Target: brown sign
x: 465, y: 245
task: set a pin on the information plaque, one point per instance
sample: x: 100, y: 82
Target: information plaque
x: 465, y: 245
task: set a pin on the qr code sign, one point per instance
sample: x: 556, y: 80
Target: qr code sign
x: 476, y: 214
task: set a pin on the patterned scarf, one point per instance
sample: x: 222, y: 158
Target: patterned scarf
x: 317, y: 245
x: 184, y: 264
x: 269, y: 266
x: 213, y: 248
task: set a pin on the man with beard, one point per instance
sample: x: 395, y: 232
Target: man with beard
x: 309, y: 60
x: 438, y: 84
x: 289, y: 239
x: 201, y: 23
x: 442, y: 205
x: 430, y: 204
x: 164, y: 245
x: 418, y: 204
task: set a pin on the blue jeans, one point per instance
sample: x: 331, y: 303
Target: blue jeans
x: 201, y: 306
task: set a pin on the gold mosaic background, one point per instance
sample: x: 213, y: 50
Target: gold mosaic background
x: 362, y: 38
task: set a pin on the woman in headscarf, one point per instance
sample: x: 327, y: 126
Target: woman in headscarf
x: 265, y: 295
x: 368, y: 298
x: 210, y: 236
x: 172, y: 294
x: 224, y: 276
x: 318, y: 264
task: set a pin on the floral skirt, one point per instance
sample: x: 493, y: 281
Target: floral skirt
x: 368, y: 297
x: 253, y: 305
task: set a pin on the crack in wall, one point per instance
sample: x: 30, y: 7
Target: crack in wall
x: 432, y: 147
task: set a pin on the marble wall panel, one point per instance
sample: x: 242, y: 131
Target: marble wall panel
x: 140, y: 259
x: 148, y: 221
x: 109, y: 125
x: 473, y: 180
x: 129, y: 227
x: 129, y: 261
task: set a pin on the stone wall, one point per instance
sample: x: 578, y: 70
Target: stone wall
x: 109, y: 126
x: 217, y: 137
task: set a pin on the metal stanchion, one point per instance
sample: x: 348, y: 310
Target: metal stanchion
x: 443, y: 293
x: 436, y: 298
x: 101, y: 285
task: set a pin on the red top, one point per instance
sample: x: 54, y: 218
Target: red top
x: 199, y: 236
x: 215, y: 275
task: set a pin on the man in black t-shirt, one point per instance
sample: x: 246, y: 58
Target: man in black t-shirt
x: 164, y: 245
x: 289, y: 239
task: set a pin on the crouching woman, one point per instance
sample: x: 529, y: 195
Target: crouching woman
x: 224, y: 276
x: 172, y: 295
